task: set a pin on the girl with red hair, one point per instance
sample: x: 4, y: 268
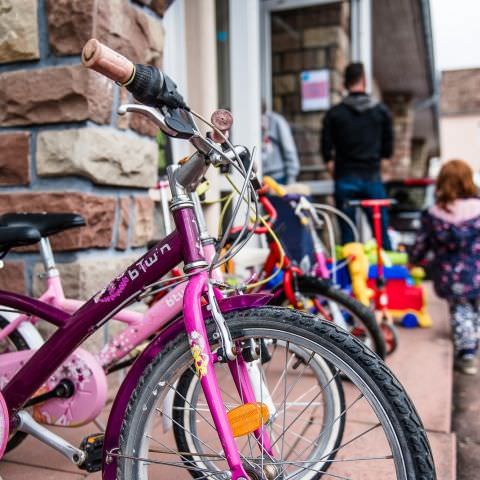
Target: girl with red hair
x: 451, y: 232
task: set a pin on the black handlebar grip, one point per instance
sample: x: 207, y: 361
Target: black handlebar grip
x: 151, y: 87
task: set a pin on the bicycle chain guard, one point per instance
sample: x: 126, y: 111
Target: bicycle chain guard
x: 87, y: 377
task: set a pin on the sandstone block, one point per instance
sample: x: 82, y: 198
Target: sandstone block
x: 143, y: 226
x: 132, y: 32
x: 336, y: 13
x: 291, y: 104
x: 105, y: 156
x: 336, y: 81
x: 81, y: 280
x: 283, y: 42
x: 293, y: 61
x: 122, y: 239
x: 98, y: 211
x: 115, y: 22
x: 283, y: 84
x: 325, y: 36
x: 86, y: 276
x: 70, y: 24
x: 312, y: 120
x: 56, y: 94
x: 18, y: 30
x: 338, y: 58
x: 143, y: 125
x: 158, y: 6
x: 313, y: 59
x: 14, y: 158
x: 277, y: 104
x: 12, y: 277
x: 277, y: 63
x: 307, y: 140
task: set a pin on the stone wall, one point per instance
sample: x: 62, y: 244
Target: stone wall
x: 63, y: 147
x: 308, y: 39
x: 400, y: 165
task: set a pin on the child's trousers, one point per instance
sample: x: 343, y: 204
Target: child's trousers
x: 465, y: 320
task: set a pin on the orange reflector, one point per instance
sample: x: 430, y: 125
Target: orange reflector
x: 247, y: 418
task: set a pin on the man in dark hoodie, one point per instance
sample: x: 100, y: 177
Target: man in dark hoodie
x: 357, y: 134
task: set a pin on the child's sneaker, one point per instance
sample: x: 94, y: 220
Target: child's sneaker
x: 467, y: 364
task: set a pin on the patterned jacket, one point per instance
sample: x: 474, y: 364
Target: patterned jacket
x: 453, y: 238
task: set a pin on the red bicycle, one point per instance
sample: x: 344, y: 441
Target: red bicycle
x: 293, y: 287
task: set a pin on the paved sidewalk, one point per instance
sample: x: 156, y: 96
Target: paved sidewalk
x: 466, y: 424
x: 422, y: 363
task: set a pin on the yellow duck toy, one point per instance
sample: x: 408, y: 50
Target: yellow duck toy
x: 358, y: 269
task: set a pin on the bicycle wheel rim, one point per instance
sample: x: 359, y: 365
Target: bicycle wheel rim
x: 332, y: 403
x: 373, y: 396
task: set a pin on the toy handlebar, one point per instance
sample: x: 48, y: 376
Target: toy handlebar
x: 269, y: 210
x: 274, y: 186
x: 380, y: 202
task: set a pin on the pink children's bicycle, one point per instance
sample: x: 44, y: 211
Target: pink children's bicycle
x: 257, y: 391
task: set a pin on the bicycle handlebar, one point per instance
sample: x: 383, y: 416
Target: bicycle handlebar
x: 108, y: 62
x: 146, y: 83
x: 164, y: 105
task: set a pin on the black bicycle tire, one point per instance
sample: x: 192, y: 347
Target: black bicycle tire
x: 315, y: 286
x: 368, y: 367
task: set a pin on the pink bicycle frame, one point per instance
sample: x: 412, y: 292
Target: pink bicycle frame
x: 182, y: 245
x: 140, y: 326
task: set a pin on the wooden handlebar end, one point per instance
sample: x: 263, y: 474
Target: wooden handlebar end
x: 108, y: 62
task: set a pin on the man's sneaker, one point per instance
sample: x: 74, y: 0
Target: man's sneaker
x: 467, y: 364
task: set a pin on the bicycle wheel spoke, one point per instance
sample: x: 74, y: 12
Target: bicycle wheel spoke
x: 241, y: 400
x: 272, y: 394
x: 224, y: 393
x: 183, y: 398
x: 191, y: 433
x: 184, y: 465
x: 299, y: 376
x: 284, y: 400
x: 320, y: 392
x: 349, y: 442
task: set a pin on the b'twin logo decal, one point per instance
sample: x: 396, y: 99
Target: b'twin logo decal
x: 173, y: 298
x: 115, y: 288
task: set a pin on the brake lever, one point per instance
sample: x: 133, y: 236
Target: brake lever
x: 149, y: 112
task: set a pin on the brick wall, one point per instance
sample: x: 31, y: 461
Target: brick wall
x: 308, y: 39
x: 460, y: 92
x: 63, y: 147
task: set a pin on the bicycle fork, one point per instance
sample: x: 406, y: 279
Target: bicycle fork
x: 204, y: 361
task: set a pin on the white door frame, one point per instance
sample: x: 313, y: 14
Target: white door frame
x: 361, y: 41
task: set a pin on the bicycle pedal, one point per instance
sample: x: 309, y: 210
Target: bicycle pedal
x: 93, y: 447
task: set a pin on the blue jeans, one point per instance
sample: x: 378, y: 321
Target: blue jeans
x: 356, y: 188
